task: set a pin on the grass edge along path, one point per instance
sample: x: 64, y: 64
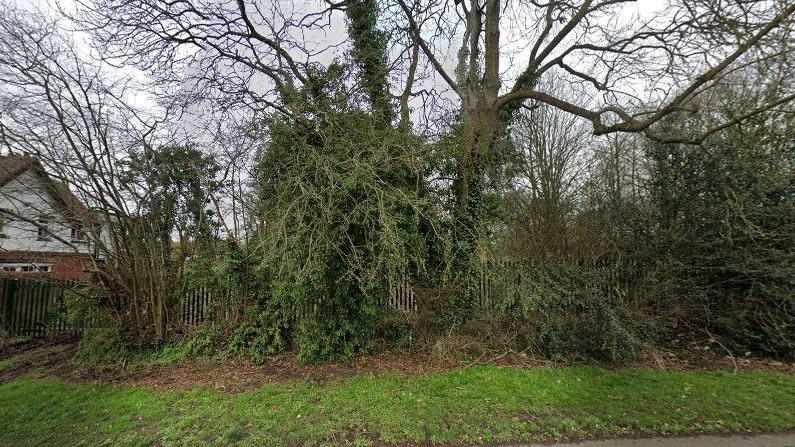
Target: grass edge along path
x: 483, y: 404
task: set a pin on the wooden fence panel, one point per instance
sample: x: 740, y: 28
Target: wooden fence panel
x: 200, y: 303
x: 197, y: 307
x: 34, y: 307
x: 402, y: 297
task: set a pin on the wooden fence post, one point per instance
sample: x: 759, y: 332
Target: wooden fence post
x: 9, y: 299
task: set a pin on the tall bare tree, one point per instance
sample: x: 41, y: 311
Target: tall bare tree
x: 61, y: 108
x: 553, y: 148
x: 677, y: 54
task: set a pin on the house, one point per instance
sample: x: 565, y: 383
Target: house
x: 41, y: 223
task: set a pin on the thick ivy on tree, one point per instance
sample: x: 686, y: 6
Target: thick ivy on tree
x: 369, y: 55
x: 340, y: 199
x: 338, y: 228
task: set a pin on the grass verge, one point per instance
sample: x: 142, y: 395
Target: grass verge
x: 470, y: 405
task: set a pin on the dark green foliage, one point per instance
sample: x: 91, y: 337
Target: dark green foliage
x: 166, y: 194
x: 574, y: 312
x: 343, y: 219
x: 342, y: 206
x: 727, y: 226
x: 342, y: 200
x: 340, y: 193
x: 395, y: 329
x: 369, y: 54
x: 246, y: 322
x: 178, y: 180
x: 264, y: 333
x: 102, y: 347
x: 207, y: 341
x: 605, y: 260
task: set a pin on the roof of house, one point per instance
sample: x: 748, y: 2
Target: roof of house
x: 14, y: 165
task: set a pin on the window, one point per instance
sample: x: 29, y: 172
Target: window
x: 78, y: 233
x: 43, y: 225
x: 5, y: 219
x: 25, y: 267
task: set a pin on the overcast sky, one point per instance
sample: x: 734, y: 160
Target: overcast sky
x: 515, y: 59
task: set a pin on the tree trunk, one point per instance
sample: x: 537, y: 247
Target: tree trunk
x: 481, y: 132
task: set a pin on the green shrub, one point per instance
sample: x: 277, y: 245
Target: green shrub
x: 343, y: 216
x: 396, y: 329
x: 572, y: 312
x: 102, y: 348
x: 726, y: 227
x: 207, y: 341
x: 263, y: 333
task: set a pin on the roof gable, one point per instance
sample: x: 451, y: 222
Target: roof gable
x: 12, y: 166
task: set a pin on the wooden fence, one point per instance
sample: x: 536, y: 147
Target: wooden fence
x: 402, y: 296
x: 35, y: 307
x: 202, y: 304
x: 198, y: 305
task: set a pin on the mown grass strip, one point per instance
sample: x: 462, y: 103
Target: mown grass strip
x: 469, y: 405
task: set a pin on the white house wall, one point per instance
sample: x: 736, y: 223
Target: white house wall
x: 28, y: 196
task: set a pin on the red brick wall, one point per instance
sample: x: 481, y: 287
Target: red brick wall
x: 68, y: 267
x: 64, y: 265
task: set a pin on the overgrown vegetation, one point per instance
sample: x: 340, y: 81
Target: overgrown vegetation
x: 516, y: 227
x: 342, y: 212
x: 726, y: 216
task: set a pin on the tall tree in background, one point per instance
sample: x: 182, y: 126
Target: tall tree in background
x: 580, y: 45
x: 628, y: 74
x: 553, y: 147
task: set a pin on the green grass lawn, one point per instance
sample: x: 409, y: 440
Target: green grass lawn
x: 468, y: 405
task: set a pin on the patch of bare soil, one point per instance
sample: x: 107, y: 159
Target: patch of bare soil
x: 233, y: 375
x: 13, y: 347
x: 44, y: 355
x: 54, y: 358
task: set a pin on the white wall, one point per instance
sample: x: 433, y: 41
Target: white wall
x: 27, y: 195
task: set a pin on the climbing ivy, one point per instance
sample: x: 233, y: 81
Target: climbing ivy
x: 369, y: 55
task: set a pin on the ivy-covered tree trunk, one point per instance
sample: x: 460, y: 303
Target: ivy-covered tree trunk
x: 369, y: 54
x: 481, y: 133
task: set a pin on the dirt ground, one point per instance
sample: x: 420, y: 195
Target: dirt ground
x: 53, y: 357
x: 42, y: 354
